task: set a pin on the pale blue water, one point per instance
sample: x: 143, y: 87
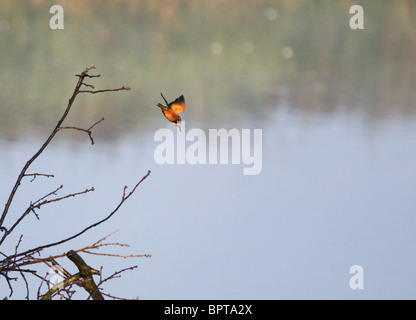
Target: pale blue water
x: 335, y: 191
x: 336, y: 108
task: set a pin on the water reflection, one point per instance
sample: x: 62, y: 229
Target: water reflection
x: 336, y: 109
x: 334, y: 191
x: 249, y: 59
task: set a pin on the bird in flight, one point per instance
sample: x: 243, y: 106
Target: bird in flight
x: 171, y: 110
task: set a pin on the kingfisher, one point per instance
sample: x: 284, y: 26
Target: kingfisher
x: 171, y: 110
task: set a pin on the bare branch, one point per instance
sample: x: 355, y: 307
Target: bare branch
x: 84, y: 130
x: 28, y: 252
x: 37, y: 204
x: 104, y: 90
x: 86, y: 272
x: 38, y: 174
x: 58, y: 127
x: 44, y: 197
x: 46, y: 143
x: 18, y: 261
x: 114, y: 275
x: 124, y: 197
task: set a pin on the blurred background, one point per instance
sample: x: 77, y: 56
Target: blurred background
x: 337, y: 111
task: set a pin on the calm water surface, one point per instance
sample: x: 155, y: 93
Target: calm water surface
x: 334, y: 191
x: 337, y: 112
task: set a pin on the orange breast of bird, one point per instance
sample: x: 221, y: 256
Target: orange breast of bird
x: 169, y: 113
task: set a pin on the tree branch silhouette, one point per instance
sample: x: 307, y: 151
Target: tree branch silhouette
x: 81, y: 78
x: 18, y: 261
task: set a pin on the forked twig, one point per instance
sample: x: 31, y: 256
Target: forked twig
x: 85, y: 130
x: 105, y: 90
x: 58, y: 127
x: 37, y: 249
x: 16, y: 262
x: 38, y: 174
x: 124, y: 197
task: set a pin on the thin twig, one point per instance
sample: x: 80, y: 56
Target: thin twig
x: 38, y: 174
x: 36, y: 155
x: 16, y: 261
x: 30, y: 251
x: 37, y: 204
x: 61, y: 198
x: 114, y: 275
x: 84, y: 130
x: 124, y: 197
x: 119, y: 255
x: 58, y: 127
x: 104, y: 90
